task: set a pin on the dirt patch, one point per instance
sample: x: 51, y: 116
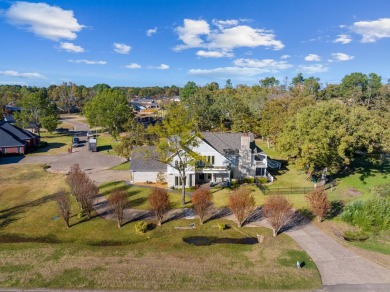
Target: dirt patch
x: 351, y: 192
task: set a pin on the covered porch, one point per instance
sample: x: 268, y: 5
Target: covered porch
x: 211, y: 175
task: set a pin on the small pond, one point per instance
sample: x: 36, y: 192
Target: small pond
x: 204, y: 240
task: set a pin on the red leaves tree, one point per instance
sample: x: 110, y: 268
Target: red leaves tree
x: 201, y: 199
x: 318, y: 203
x: 64, y: 204
x: 159, y: 203
x: 242, y: 203
x: 83, y: 188
x: 278, y: 211
x: 118, y: 201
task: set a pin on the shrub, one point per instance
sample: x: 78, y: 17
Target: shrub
x: 371, y: 215
x: 355, y: 236
x: 318, y: 202
x: 221, y: 226
x: 201, y: 199
x: 249, y: 180
x: 141, y: 227
x: 241, y: 202
x: 262, y: 180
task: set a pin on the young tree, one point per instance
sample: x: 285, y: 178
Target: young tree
x: 318, y: 202
x: 278, y: 211
x: 76, y: 178
x: 201, y: 199
x: 159, y: 203
x: 242, y: 203
x: 64, y: 204
x: 118, y: 201
x: 177, y: 137
x: 87, y: 195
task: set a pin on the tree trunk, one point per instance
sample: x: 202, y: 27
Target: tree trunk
x: 119, y: 223
x: 183, y: 190
x: 275, y: 232
x: 67, y: 223
x: 319, y: 219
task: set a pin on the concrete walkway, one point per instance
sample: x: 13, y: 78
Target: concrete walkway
x: 340, y: 269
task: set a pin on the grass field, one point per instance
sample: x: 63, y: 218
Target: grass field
x: 123, y: 166
x: 37, y: 251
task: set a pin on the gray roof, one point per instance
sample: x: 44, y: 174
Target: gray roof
x: 7, y: 139
x: 227, y: 142
x: 18, y: 132
x: 145, y: 158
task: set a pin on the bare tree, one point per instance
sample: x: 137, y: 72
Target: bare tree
x: 76, y: 178
x: 318, y: 202
x: 201, y: 199
x: 278, y: 211
x: 118, y: 201
x: 64, y: 204
x: 87, y: 194
x: 159, y: 203
x: 242, y: 203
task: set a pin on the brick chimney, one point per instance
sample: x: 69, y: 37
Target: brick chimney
x: 245, y: 141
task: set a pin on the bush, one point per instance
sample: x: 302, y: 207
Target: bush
x: 46, y: 166
x: 221, y: 226
x: 249, y: 180
x: 141, y: 227
x: 355, y: 236
x: 262, y: 180
x: 371, y: 215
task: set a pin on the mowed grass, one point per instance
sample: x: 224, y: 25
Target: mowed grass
x: 37, y: 251
x: 106, y: 143
x: 138, y: 196
x: 58, y: 143
x: 123, y: 166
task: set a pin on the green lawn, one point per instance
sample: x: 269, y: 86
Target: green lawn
x: 37, y: 251
x: 106, y: 144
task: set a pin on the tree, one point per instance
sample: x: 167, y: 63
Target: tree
x: 318, y: 202
x: 118, y: 201
x: 64, y: 204
x: 242, y: 203
x: 37, y: 111
x: 108, y: 109
x: 268, y: 82
x: 278, y: 211
x: 76, y: 177
x: 177, y: 139
x: 159, y: 203
x: 201, y: 199
x: 188, y: 91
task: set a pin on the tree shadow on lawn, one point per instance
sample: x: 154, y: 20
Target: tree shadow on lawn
x: 54, y: 145
x: 336, y: 208
x: 256, y: 215
x: 104, y: 148
x: 297, y: 222
x: 217, y: 213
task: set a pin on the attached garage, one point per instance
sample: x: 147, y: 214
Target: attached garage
x: 144, y: 165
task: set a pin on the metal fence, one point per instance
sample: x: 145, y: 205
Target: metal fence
x: 290, y: 191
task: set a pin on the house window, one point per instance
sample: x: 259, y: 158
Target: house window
x: 209, y: 176
x: 178, y: 181
x: 210, y: 160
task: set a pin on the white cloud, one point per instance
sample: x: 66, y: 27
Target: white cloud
x: 342, y: 57
x: 163, y: 67
x: 13, y: 73
x: 151, y: 31
x: 284, y: 57
x: 269, y: 65
x: 121, y: 48
x: 88, y: 62
x: 243, y: 36
x: 190, y: 33
x: 312, y: 58
x: 343, y: 38
x: 214, y: 54
x: 227, y: 72
x: 133, y: 66
x: 310, y: 69
x: 226, y: 36
x: 50, y: 22
x: 371, y: 31
x: 69, y: 47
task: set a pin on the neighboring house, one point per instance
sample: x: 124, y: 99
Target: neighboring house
x: 225, y: 156
x: 16, y: 140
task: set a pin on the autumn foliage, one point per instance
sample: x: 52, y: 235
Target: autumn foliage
x: 159, y: 203
x: 118, y: 201
x: 242, y: 203
x: 201, y: 199
x: 318, y: 202
x: 278, y: 211
x: 64, y: 204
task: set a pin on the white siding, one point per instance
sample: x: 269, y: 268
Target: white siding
x: 143, y: 176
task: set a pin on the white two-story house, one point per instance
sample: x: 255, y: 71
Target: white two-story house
x: 225, y: 156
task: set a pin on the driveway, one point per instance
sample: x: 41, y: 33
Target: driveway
x: 61, y: 163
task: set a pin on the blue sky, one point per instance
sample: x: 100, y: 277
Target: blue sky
x: 170, y: 42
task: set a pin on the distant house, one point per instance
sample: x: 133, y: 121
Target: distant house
x: 14, y: 140
x: 226, y: 156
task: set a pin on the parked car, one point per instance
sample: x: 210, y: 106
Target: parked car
x: 75, y: 142
x: 89, y: 134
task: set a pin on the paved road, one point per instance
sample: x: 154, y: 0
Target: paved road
x: 90, y: 162
x: 340, y: 269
